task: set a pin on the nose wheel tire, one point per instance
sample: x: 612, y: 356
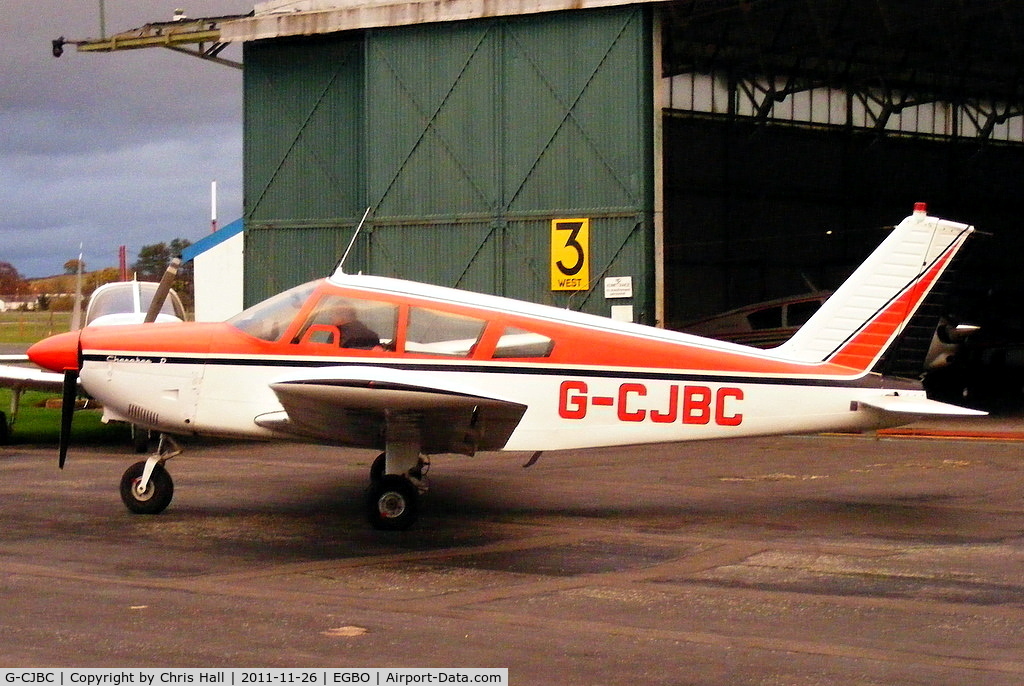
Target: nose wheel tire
x: 157, y: 495
x: 392, y: 503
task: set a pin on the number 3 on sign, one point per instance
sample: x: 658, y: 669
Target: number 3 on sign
x: 570, y: 254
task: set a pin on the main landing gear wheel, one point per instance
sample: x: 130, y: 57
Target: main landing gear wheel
x: 418, y: 473
x: 157, y: 495
x: 377, y: 468
x: 392, y: 503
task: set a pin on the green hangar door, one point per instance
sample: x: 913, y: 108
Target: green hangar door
x: 467, y: 140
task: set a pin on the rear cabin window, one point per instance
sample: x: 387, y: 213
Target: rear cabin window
x: 516, y: 342
x: 442, y: 333
x: 351, y: 323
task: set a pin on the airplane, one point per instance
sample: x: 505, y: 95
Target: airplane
x: 128, y: 302
x: 118, y: 302
x: 446, y: 371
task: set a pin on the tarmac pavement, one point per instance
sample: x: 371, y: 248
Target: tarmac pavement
x: 786, y: 560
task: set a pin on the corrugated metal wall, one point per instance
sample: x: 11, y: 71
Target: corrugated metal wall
x: 466, y: 139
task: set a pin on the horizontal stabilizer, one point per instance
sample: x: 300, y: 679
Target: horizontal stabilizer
x: 923, y: 407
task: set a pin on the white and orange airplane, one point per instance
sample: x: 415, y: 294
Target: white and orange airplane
x: 414, y: 370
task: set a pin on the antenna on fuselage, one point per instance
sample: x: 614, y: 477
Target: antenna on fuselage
x: 341, y: 262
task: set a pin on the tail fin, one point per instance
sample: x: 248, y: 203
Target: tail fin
x: 862, y: 319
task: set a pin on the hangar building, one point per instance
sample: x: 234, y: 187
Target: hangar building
x: 721, y: 152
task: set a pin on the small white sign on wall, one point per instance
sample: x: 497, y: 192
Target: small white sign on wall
x: 618, y: 287
x: 622, y: 313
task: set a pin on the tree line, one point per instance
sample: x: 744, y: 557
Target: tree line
x: 150, y: 265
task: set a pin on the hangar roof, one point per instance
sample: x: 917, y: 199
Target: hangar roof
x: 953, y: 50
x: 897, y: 54
x: 280, y: 18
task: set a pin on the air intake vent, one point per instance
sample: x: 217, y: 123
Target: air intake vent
x: 143, y: 416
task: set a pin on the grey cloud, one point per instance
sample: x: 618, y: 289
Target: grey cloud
x: 110, y: 149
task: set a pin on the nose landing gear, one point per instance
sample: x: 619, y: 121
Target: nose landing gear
x: 152, y: 497
x: 146, y: 486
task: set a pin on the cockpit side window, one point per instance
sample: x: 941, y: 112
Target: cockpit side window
x: 768, y: 318
x: 797, y: 314
x: 269, y: 319
x: 442, y: 333
x: 350, y: 323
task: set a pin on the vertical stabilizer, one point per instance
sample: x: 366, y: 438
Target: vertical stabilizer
x: 862, y: 319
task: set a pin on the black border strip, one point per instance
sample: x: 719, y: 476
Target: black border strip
x: 865, y: 380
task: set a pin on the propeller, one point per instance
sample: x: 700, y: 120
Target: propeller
x: 67, y: 412
x: 63, y: 354
x: 166, y: 281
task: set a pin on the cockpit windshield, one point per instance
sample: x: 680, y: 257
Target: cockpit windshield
x: 126, y: 302
x: 269, y: 319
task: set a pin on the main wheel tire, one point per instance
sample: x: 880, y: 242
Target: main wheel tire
x: 377, y: 468
x: 158, y: 494
x: 392, y: 503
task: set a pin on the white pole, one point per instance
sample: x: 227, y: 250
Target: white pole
x: 76, y: 314
x: 213, y: 206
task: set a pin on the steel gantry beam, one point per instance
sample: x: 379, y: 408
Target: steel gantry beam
x: 892, y: 66
x: 196, y: 37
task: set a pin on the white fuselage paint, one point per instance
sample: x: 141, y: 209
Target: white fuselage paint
x: 567, y: 407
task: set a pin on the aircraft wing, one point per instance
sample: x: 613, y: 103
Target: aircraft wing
x: 356, y: 405
x: 30, y: 378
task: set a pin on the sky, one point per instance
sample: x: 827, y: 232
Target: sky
x: 110, y: 149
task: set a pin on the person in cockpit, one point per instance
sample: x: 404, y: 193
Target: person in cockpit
x: 354, y: 334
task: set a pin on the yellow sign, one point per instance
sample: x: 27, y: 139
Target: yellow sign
x: 570, y: 254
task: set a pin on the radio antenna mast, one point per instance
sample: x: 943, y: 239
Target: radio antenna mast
x: 352, y: 242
